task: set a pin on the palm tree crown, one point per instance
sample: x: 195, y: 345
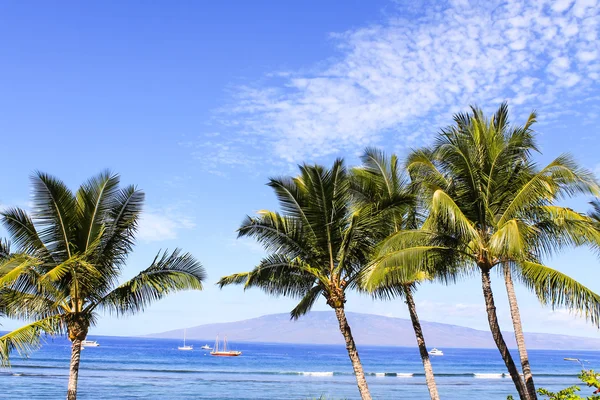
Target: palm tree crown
x: 317, y: 246
x: 69, y: 255
x: 488, y: 205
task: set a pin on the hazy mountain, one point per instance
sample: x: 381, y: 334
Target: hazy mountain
x: 321, y: 327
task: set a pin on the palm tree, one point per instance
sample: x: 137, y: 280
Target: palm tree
x: 70, y: 253
x: 381, y: 182
x: 4, y: 249
x: 317, y: 246
x: 489, y: 205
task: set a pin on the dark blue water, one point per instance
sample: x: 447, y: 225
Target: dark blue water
x: 138, y: 368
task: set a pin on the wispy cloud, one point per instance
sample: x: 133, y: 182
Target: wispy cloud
x: 162, y: 225
x: 403, y: 78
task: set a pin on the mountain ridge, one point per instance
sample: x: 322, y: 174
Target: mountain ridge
x: 321, y: 327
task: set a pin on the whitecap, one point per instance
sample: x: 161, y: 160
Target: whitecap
x: 317, y: 373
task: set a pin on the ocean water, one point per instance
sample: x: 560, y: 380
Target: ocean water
x: 140, y: 368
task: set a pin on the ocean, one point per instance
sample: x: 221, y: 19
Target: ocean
x: 141, y: 368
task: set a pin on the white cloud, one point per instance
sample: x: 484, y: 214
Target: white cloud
x: 403, y: 78
x: 585, y: 56
x: 561, y: 5
x: 155, y: 226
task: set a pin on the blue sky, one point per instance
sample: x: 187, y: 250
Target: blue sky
x: 198, y: 103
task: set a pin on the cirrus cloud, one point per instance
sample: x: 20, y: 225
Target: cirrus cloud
x: 404, y: 78
x: 157, y: 226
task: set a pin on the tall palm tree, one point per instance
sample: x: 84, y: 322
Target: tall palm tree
x: 379, y: 181
x: 70, y: 253
x: 489, y: 206
x: 317, y: 246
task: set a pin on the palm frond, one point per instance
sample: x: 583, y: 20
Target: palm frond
x: 121, y: 225
x: 23, y: 233
x: 16, y: 265
x: 420, y: 165
x: 72, y: 266
x: 406, y: 265
x: 95, y: 198
x: 555, y: 289
x: 278, y: 275
x: 27, y: 338
x: 559, y: 179
x: 306, y: 303
x: 16, y: 303
x: 234, y: 279
x: 4, y: 249
x: 277, y: 233
x: 511, y: 240
x: 444, y: 210
x: 558, y: 227
x: 168, y: 273
x: 55, y: 212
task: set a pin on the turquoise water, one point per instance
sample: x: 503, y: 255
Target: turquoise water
x: 139, y: 368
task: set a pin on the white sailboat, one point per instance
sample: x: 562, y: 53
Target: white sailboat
x: 184, y: 347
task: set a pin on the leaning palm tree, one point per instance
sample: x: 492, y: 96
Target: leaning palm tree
x: 69, y: 254
x: 489, y: 206
x: 379, y: 182
x: 317, y: 246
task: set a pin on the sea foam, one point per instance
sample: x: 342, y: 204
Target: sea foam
x: 317, y: 373
x: 488, y: 376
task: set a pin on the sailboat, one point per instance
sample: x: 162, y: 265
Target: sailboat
x: 224, y: 352
x: 184, y: 347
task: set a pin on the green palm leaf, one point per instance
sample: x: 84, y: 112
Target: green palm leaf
x: 20, y: 227
x: 556, y: 289
x: 55, y: 212
x: 306, y: 303
x: 167, y: 273
x: 27, y: 338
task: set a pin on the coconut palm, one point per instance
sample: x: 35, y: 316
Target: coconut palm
x: 69, y: 255
x: 380, y: 181
x: 317, y: 246
x: 4, y: 249
x: 489, y: 206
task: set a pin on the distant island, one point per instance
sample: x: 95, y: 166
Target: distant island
x: 320, y: 327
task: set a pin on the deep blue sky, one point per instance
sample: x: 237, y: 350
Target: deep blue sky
x: 199, y: 103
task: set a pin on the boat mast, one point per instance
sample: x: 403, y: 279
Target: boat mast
x: 216, y: 344
x: 225, y: 344
x: 184, y: 337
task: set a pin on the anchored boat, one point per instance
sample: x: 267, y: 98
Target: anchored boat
x: 436, y: 352
x: 184, y: 347
x: 223, y: 352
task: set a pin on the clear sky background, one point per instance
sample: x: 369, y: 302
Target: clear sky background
x: 199, y: 102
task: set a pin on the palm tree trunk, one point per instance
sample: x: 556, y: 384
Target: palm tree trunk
x: 74, y: 369
x: 516, y: 318
x: 429, y: 378
x: 486, y: 284
x: 363, y: 388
